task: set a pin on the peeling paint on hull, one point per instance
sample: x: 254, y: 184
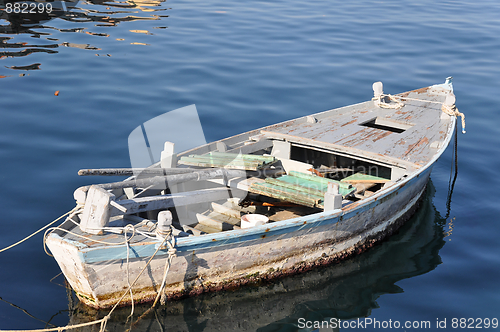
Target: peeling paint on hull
x: 307, y: 242
x: 230, y: 259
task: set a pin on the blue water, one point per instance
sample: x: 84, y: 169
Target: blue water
x: 246, y: 65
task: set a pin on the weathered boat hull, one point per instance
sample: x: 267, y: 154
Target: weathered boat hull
x: 101, y: 274
x: 224, y: 261
x: 350, y: 287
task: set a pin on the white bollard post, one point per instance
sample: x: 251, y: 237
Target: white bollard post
x: 333, y: 200
x: 163, y: 228
x: 168, y: 157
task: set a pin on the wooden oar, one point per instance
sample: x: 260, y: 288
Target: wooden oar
x: 168, y: 180
x: 99, y: 208
x: 145, y: 172
x: 198, y: 175
x: 134, y: 171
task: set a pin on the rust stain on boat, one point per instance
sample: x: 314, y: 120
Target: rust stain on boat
x: 382, y: 136
x: 418, y: 91
x: 198, y: 286
x: 350, y: 122
x: 420, y: 142
x: 253, y: 257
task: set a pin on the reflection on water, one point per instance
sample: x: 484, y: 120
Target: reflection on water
x: 15, y: 27
x: 347, y: 290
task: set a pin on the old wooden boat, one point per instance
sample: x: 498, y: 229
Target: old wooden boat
x: 326, y: 186
x: 345, y: 290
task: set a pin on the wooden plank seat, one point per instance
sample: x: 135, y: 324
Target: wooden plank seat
x: 299, y: 188
x: 363, y: 182
x: 364, y: 178
x: 217, y: 219
x: 246, y: 162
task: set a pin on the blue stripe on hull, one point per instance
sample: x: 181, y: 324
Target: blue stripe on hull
x: 311, y: 224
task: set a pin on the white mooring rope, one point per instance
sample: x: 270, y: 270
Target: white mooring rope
x: 71, y: 212
x: 450, y: 110
x: 103, y: 321
x: 453, y: 111
x: 379, y: 101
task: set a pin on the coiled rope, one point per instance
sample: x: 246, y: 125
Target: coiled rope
x: 450, y: 110
x: 379, y: 101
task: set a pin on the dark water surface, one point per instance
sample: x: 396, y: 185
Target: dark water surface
x: 246, y: 65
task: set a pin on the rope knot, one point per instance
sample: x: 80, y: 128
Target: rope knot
x: 379, y: 101
x: 453, y: 111
x: 172, y: 252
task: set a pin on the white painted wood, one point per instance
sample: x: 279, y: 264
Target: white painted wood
x: 311, y: 119
x: 118, y: 206
x: 80, y: 196
x: 96, y: 212
x: 397, y: 173
x: 239, y: 183
x: 444, y: 116
x: 221, y: 147
x: 435, y: 145
x: 163, y: 226
x: 362, y: 187
x: 214, y: 223
x: 281, y: 149
x: 168, y: 157
x: 333, y: 200
x: 225, y: 210
x: 129, y: 192
x: 206, y: 229
x: 378, y: 89
x: 163, y: 202
x: 450, y: 100
x: 195, y: 231
x: 224, y: 218
x: 347, y: 151
x: 138, y: 220
x: 294, y: 165
x: 387, y: 184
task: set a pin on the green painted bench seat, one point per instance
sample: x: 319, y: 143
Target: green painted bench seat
x: 299, y: 188
x: 246, y: 162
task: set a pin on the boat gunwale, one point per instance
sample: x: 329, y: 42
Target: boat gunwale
x: 218, y: 239
x: 284, y: 226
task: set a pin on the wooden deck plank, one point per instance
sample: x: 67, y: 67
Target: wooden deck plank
x: 225, y: 218
x: 214, y: 223
x: 342, y: 128
x: 225, y: 210
x: 206, y: 229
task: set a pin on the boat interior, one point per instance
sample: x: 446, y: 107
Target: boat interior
x: 291, y: 182
x: 325, y: 161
